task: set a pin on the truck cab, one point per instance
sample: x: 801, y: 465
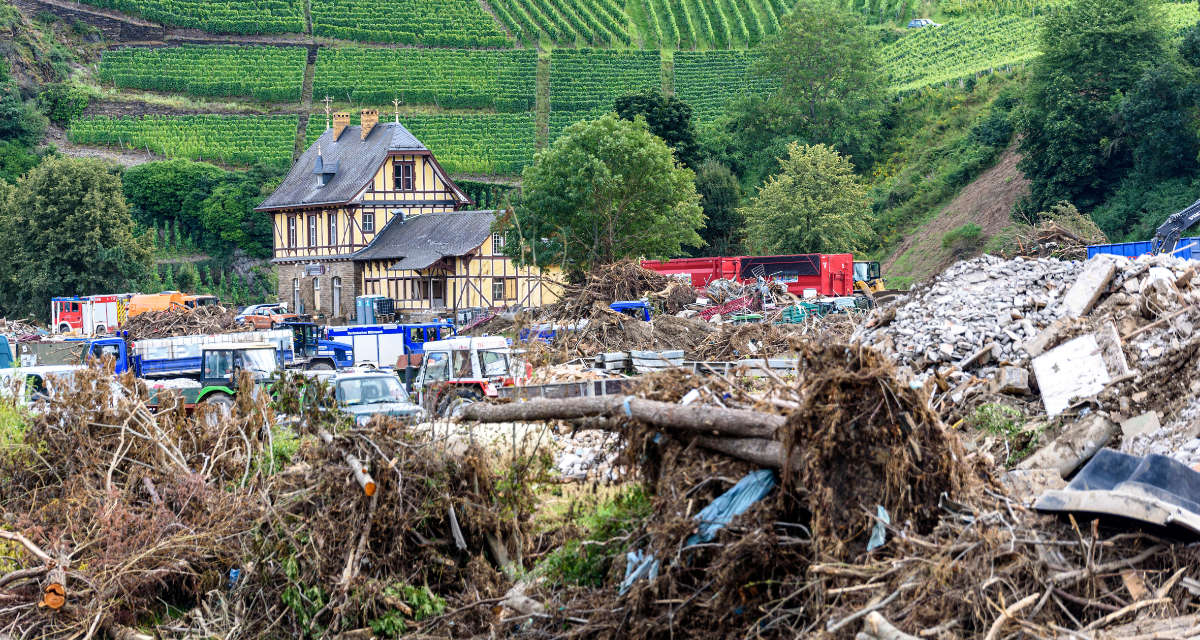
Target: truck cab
x: 465, y: 369
x: 313, y: 352
x: 220, y: 366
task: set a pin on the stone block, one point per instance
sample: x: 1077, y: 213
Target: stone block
x: 1088, y: 287
x: 1138, y: 425
x: 1012, y: 380
x: 1074, y: 369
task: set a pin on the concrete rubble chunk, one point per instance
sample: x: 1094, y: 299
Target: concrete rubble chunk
x: 1074, y: 447
x: 1012, y: 380
x: 1027, y: 485
x: 1111, y: 351
x: 1138, y: 425
x: 1074, y: 369
x: 1088, y: 287
x: 1048, y: 336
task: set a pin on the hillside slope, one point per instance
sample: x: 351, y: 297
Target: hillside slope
x: 987, y: 201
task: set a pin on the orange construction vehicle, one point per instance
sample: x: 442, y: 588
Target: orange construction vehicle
x: 166, y: 300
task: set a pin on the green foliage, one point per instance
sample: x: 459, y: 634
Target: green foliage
x: 959, y: 50
x: 589, y: 80
x: 228, y: 16
x: 487, y: 195
x: 1189, y: 46
x: 266, y: 73
x: 1093, y: 52
x: 710, y: 80
x: 435, y: 23
x: 20, y: 121
x: 815, y: 204
x: 720, y: 195
x: 668, y: 118
x: 13, y: 422
x: 1158, y: 124
x: 62, y: 102
x: 423, y: 602
x: 170, y: 191
x: 237, y: 140
x: 963, y: 240
x: 1137, y: 207
x: 607, y: 189
x: 1008, y: 423
x: 587, y: 560
x: 451, y: 79
x: 15, y: 160
x: 592, y: 22
x: 186, y: 277
x: 65, y: 229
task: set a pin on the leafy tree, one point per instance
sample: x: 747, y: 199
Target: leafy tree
x: 1157, y: 124
x: 720, y: 194
x: 15, y: 160
x: 668, y: 118
x: 65, y: 230
x: 228, y: 217
x: 187, y: 279
x: 1093, y: 51
x: 170, y: 190
x: 19, y: 120
x: 606, y: 189
x: 63, y: 102
x: 815, y: 204
x: 831, y: 89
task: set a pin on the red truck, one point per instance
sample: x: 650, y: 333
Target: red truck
x: 826, y: 274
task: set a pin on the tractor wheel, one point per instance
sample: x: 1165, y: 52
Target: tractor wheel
x: 453, y: 403
x: 220, y: 407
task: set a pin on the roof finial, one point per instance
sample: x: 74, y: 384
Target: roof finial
x: 318, y: 149
x: 396, y: 103
x: 327, y: 102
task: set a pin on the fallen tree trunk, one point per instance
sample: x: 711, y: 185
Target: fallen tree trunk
x: 361, y: 475
x: 707, y: 419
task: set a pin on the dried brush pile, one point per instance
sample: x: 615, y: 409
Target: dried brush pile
x: 208, y: 319
x: 624, y: 280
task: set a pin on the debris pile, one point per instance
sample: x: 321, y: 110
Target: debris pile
x: 207, y: 319
x: 624, y: 280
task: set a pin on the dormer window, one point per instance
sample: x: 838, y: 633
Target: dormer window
x: 322, y: 179
x: 324, y: 170
x: 403, y: 174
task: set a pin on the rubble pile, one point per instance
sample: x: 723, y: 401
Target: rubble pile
x: 984, y: 303
x: 623, y: 280
x: 207, y: 319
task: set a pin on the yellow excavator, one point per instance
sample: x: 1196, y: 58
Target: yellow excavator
x: 869, y: 282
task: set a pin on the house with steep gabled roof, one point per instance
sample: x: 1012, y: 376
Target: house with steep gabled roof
x: 368, y: 210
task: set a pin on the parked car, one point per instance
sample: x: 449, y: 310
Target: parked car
x: 917, y: 23
x: 363, y: 394
x: 265, y: 316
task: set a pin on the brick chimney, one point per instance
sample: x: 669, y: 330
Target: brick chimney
x: 341, y: 120
x: 370, y: 118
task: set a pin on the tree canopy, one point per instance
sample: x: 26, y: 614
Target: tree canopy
x: 815, y: 204
x: 668, y: 118
x: 65, y: 230
x: 606, y: 189
x: 720, y: 194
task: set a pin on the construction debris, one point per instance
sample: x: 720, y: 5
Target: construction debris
x: 207, y: 319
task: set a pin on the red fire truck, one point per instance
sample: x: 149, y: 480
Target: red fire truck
x: 88, y: 315
x: 824, y: 274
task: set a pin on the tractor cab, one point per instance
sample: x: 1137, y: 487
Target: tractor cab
x: 464, y: 369
x: 220, y: 364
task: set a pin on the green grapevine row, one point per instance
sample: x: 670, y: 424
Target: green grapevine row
x: 438, y: 23
x: 266, y: 73
x: 709, y: 80
x: 240, y: 140
x: 227, y: 16
x: 587, y: 79
x: 590, y: 22
x: 449, y: 78
x: 959, y: 49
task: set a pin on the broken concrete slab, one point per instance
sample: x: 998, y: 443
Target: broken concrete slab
x: 1027, y: 485
x: 1038, y: 345
x: 1011, y: 380
x: 1138, y: 425
x: 1074, y: 369
x: 1111, y: 350
x: 1088, y: 287
x: 1075, y: 446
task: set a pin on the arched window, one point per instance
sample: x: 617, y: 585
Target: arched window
x: 337, y: 296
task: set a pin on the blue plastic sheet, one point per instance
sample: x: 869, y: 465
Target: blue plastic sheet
x: 750, y: 489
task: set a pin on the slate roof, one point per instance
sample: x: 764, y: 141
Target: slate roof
x: 355, y: 161
x: 422, y: 240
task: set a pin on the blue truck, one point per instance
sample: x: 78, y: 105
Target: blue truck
x: 380, y: 345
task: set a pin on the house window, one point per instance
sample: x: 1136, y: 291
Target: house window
x: 316, y: 293
x: 368, y: 222
x: 403, y: 174
x: 504, y: 288
x: 497, y: 288
x: 312, y: 231
x: 497, y: 242
x: 291, y: 231
x: 295, y: 295
x: 337, y: 295
x: 332, y: 228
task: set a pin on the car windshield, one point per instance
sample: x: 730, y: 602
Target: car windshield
x: 260, y: 361
x: 359, y: 391
x: 493, y: 363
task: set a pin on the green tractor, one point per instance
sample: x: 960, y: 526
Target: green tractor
x: 220, y: 366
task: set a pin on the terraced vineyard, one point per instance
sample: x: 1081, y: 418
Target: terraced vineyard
x: 567, y: 22
x: 266, y: 73
x: 240, y: 140
x: 499, y: 143
x: 959, y: 49
x: 449, y: 78
x: 436, y: 23
x: 227, y: 16
x: 590, y: 79
x: 709, y: 80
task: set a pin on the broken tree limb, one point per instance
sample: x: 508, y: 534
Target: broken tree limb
x: 876, y: 626
x: 732, y: 422
x: 28, y: 544
x: 360, y: 470
x: 768, y: 453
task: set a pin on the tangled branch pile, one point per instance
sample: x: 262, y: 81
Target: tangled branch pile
x: 624, y: 280
x: 182, y: 322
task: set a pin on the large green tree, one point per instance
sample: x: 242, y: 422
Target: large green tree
x: 65, y: 230
x: 1093, y: 52
x: 815, y: 204
x: 668, y: 118
x: 606, y: 189
x: 830, y: 90
x: 720, y: 195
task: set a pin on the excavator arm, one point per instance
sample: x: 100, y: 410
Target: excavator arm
x: 1169, y: 232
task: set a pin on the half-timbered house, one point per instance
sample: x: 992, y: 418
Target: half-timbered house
x: 368, y: 210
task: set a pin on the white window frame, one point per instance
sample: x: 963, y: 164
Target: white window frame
x: 336, y: 283
x: 368, y: 217
x: 497, y: 242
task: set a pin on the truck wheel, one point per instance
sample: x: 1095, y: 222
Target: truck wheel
x: 64, y: 328
x: 321, y: 366
x: 100, y: 330
x: 453, y: 403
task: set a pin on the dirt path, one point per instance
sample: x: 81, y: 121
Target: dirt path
x: 124, y: 157
x: 987, y: 202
